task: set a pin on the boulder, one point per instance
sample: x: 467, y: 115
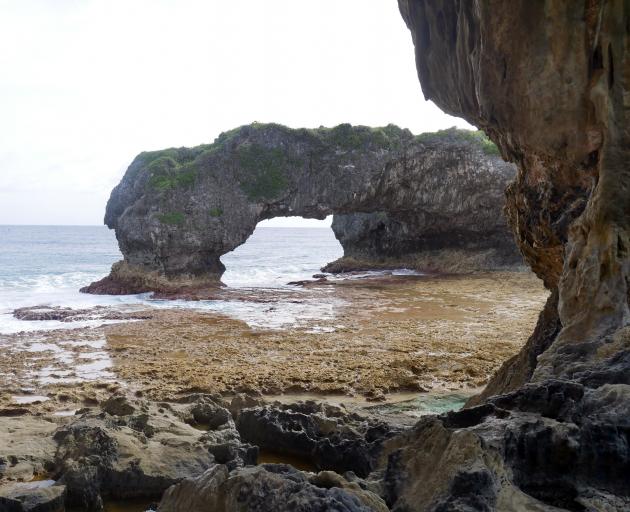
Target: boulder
x: 267, y: 488
x: 329, y: 437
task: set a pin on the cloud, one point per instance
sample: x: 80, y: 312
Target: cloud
x: 86, y: 85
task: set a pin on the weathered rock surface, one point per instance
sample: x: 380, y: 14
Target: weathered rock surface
x: 567, y: 131
x: 421, y: 241
x: 124, y: 449
x: 268, y: 488
x: 62, y: 314
x: 32, y: 497
x: 177, y: 211
x: 329, y: 437
x: 130, y: 449
x: 557, y: 444
x: 557, y: 438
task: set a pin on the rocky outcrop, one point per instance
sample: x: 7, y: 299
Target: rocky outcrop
x: 420, y: 241
x: 328, y: 437
x: 190, y: 455
x: 269, y: 488
x: 567, y: 131
x: 556, y: 446
x: 177, y: 211
x: 556, y: 439
x: 124, y: 449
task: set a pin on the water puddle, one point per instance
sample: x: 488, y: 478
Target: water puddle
x: 424, y: 404
x: 66, y: 412
x: 28, y: 399
x: 133, y: 505
x: 270, y: 457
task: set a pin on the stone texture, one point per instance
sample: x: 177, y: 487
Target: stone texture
x: 132, y: 450
x: 551, y: 446
x: 567, y: 131
x: 548, y: 81
x: 327, y: 436
x: 32, y: 497
x: 176, y: 211
x: 268, y: 488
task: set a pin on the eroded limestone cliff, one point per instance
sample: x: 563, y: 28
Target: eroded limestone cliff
x: 177, y: 211
x: 549, y: 81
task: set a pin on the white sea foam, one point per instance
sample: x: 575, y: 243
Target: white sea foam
x: 47, y: 265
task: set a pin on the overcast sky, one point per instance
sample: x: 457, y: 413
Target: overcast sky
x: 85, y: 85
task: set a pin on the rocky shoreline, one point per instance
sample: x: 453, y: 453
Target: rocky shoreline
x: 189, y: 454
x: 150, y: 427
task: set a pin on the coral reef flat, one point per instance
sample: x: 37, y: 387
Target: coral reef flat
x: 385, y: 335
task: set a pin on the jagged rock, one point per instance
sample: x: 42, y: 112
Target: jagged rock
x: 327, y: 436
x: 139, y: 454
x: 61, y: 314
x: 210, y: 415
x: 177, y: 211
x: 544, y: 446
x: 118, y: 406
x: 32, y: 497
x: 46, y: 313
x: 267, y: 488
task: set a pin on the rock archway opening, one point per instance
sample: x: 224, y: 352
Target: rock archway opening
x: 281, y: 250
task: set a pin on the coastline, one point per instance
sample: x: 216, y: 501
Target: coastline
x: 376, y: 338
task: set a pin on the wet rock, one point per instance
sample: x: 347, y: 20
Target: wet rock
x: 176, y: 212
x: 117, y: 406
x: 40, y: 313
x: 101, y: 456
x: 32, y: 497
x: 62, y: 314
x: 327, y: 436
x: 267, y: 488
x: 13, y: 411
x: 210, y: 415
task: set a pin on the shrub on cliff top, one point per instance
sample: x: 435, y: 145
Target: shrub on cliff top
x: 476, y: 136
x: 264, y: 167
x: 166, y: 174
x: 265, y: 171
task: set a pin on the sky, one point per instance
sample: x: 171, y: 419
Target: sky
x: 85, y: 85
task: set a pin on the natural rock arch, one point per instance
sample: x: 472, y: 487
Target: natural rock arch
x: 176, y: 211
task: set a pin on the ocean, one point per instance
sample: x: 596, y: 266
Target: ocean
x: 47, y: 265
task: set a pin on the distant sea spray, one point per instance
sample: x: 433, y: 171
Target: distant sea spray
x: 46, y: 265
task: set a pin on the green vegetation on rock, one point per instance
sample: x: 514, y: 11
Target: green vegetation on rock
x: 172, y: 218
x: 265, y: 169
x: 167, y: 180
x: 216, y: 212
x: 170, y: 168
x: 476, y: 136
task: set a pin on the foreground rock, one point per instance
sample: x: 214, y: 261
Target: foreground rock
x: 121, y: 450
x: 329, y: 437
x: 131, y: 449
x: 62, y: 314
x: 177, y: 211
x: 269, y: 488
